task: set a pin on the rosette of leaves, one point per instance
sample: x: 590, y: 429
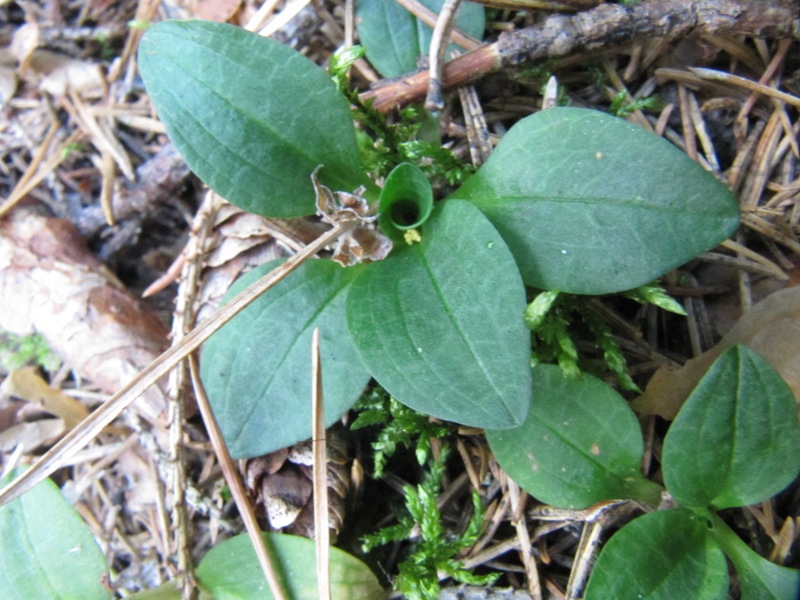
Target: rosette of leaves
x: 571, y: 199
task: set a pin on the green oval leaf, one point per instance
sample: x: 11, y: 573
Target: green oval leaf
x: 577, y: 453
x: 230, y: 571
x: 47, y: 551
x: 394, y: 38
x: 440, y: 323
x: 251, y: 117
x: 257, y: 368
x: 660, y: 556
x: 736, y: 440
x: 406, y: 201
x: 591, y: 204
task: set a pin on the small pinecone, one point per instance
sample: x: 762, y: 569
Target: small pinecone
x: 280, y: 485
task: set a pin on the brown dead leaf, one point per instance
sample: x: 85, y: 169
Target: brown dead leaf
x: 29, y: 436
x: 771, y: 328
x: 8, y: 75
x: 26, y: 384
x: 24, y: 42
x: 60, y: 72
x: 141, y: 486
x: 216, y: 10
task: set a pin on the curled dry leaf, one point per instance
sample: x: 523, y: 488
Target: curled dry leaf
x: 51, y: 284
x: 771, y: 328
x: 359, y: 245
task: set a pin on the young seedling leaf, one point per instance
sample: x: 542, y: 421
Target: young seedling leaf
x: 736, y: 440
x: 660, y: 556
x: 395, y: 39
x: 252, y: 118
x: 230, y: 571
x: 406, y: 201
x: 257, y: 368
x: 440, y: 322
x: 579, y: 445
x: 759, y: 578
x: 47, y: 551
x: 591, y: 204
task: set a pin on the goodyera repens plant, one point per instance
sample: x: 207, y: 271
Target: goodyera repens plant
x: 427, y: 296
x: 571, y: 200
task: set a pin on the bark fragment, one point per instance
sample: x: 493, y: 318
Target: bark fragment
x: 51, y: 284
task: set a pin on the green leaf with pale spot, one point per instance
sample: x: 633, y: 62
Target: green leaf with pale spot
x: 591, y: 204
x: 440, y: 323
x: 230, y: 571
x: 580, y: 444
x: 252, y: 118
x: 257, y: 368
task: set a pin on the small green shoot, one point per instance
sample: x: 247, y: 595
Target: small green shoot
x: 138, y: 24
x: 549, y: 317
x: 340, y: 63
x: 18, y: 351
x: 653, y: 294
x: 400, y: 426
x: 621, y: 106
x: 548, y: 321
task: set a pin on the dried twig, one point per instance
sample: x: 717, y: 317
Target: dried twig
x: 439, y: 42
x: 320, y: 473
x: 156, y: 180
x: 518, y: 498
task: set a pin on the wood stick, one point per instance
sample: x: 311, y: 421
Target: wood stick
x: 603, y: 26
